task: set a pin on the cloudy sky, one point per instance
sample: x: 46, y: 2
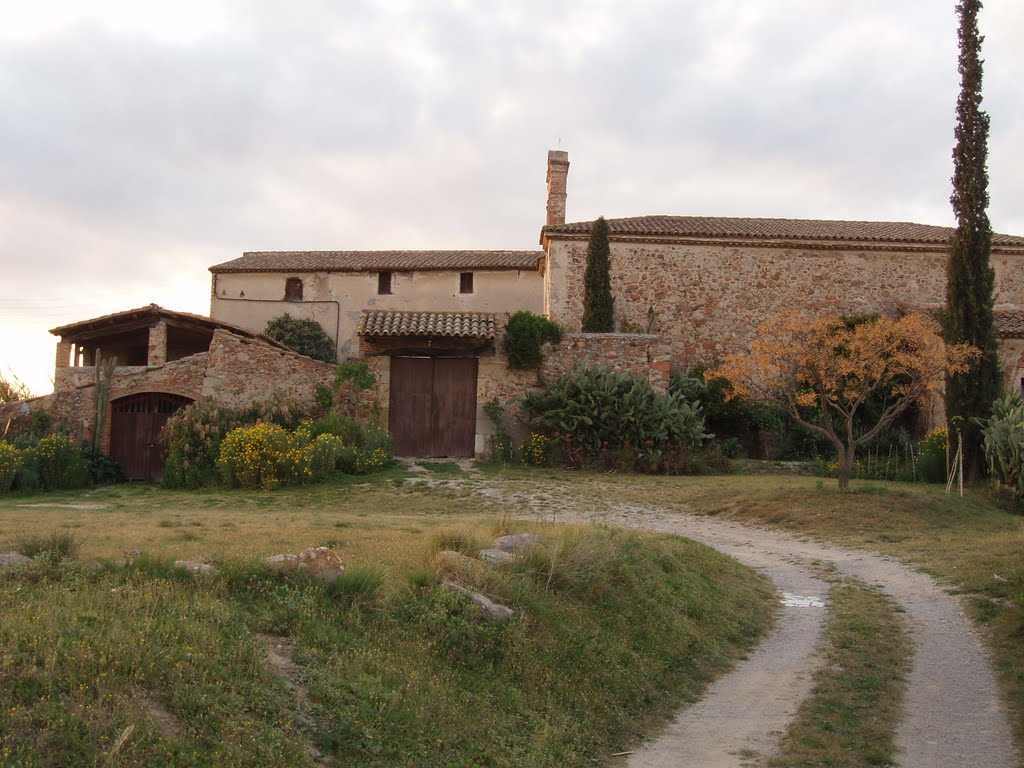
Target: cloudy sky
x: 142, y: 142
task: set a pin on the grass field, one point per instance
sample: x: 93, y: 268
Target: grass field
x: 392, y: 527
x: 103, y: 663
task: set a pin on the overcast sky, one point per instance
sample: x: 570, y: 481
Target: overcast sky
x: 141, y: 143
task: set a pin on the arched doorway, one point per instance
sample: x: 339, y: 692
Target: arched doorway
x: 135, y: 424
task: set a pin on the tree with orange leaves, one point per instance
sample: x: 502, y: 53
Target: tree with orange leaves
x: 833, y: 368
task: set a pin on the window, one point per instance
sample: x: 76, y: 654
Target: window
x: 383, y: 283
x: 466, y: 282
x: 293, y: 289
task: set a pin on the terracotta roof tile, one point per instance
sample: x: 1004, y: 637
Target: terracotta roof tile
x: 386, y: 323
x: 775, y: 229
x: 377, y: 261
x: 83, y: 329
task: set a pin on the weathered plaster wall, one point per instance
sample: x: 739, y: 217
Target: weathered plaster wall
x: 708, y: 300
x: 336, y: 299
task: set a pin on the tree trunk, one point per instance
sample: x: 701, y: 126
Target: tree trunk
x: 845, y: 465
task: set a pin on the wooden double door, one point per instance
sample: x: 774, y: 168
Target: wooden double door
x: 135, y: 424
x: 433, y: 406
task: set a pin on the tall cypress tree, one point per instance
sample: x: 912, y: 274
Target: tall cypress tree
x: 598, y: 305
x: 969, y: 275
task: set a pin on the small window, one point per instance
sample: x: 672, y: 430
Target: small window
x: 383, y: 283
x: 466, y: 282
x: 293, y: 289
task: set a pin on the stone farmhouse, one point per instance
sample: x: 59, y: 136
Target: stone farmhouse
x: 687, y: 291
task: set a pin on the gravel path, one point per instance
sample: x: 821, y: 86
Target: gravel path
x: 953, y: 714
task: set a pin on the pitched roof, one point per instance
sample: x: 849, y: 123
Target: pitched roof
x: 140, y: 317
x: 375, y: 322
x: 717, y: 227
x: 377, y: 261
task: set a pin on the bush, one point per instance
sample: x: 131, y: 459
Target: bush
x: 102, y: 469
x: 193, y: 436
x: 10, y: 463
x: 1003, y: 440
x: 931, y: 457
x: 525, y: 333
x: 57, y: 546
x: 266, y: 455
x: 536, y: 450
x: 27, y: 478
x: 307, y: 337
x: 591, y: 412
x: 61, y: 464
x: 263, y: 456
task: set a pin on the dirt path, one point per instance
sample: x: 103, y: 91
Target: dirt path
x: 953, y: 715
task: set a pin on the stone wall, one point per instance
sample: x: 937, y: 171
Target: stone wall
x: 708, y: 300
x: 236, y: 371
x: 242, y: 371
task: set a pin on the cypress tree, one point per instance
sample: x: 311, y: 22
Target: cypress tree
x: 969, y: 275
x: 598, y: 305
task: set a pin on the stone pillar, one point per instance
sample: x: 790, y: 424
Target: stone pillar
x: 157, y: 344
x: 63, y: 359
x: 558, y: 172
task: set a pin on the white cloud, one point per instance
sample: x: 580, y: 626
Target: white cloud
x: 140, y: 144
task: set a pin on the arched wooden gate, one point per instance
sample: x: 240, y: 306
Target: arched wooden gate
x: 135, y: 424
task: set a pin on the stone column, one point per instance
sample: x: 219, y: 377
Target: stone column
x: 157, y: 344
x: 63, y: 358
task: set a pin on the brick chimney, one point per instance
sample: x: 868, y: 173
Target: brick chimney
x: 558, y: 171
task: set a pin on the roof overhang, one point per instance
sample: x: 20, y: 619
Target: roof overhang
x: 467, y: 325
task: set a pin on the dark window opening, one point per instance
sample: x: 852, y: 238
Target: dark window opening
x: 466, y: 282
x: 293, y: 289
x: 383, y: 283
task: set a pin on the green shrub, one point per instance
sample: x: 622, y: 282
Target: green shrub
x: 931, y: 457
x: 1003, y: 440
x: 358, y: 372
x: 324, y: 454
x: 536, y: 450
x: 27, y: 478
x: 340, y: 425
x: 525, y: 333
x: 307, y: 337
x: 264, y: 456
x: 360, y: 584
x: 499, y: 442
x: 323, y: 395
x: 61, y: 464
x: 10, y: 463
x: 593, y: 411
x: 193, y: 436
x: 102, y: 469
x: 57, y: 546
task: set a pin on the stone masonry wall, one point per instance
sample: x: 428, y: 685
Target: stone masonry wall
x: 708, y: 300
x: 235, y: 372
x: 243, y: 371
